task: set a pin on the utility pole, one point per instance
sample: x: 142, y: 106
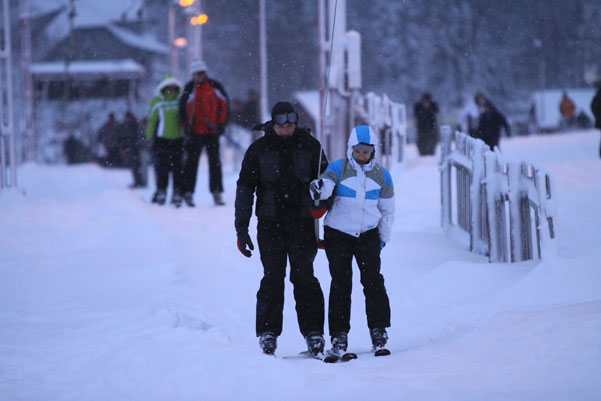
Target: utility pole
x: 263, y: 112
x: 8, y: 168
x: 335, y: 100
x: 173, y: 51
x: 194, y: 31
x: 29, y: 139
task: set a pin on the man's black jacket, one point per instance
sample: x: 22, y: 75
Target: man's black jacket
x: 279, y: 170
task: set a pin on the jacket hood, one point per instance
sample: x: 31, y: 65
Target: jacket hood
x: 361, y: 134
x: 168, y: 80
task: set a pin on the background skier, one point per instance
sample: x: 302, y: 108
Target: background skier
x: 203, y: 111
x: 426, y: 112
x: 163, y: 130
x: 596, y: 109
x: 490, y: 123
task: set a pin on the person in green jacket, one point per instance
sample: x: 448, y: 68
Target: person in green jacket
x: 164, y: 135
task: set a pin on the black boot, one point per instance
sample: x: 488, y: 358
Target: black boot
x: 159, y: 197
x: 218, y: 199
x: 189, y: 199
x: 339, y: 343
x: 379, y: 337
x: 176, y: 200
x: 315, y: 343
x: 268, y: 342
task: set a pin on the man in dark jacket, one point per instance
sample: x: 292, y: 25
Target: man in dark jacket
x: 426, y: 111
x: 490, y: 123
x: 109, y: 137
x: 596, y: 109
x: 279, y: 167
x: 133, y: 140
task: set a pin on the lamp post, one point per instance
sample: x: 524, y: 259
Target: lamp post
x: 191, y: 42
x: 192, y: 11
x: 538, y: 44
x: 263, y: 112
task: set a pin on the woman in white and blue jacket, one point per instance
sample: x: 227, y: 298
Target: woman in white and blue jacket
x: 358, y: 224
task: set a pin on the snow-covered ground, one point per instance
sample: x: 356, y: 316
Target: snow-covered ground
x: 104, y: 296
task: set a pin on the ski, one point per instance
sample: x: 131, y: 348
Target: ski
x: 332, y: 357
x: 382, y: 352
x: 307, y: 354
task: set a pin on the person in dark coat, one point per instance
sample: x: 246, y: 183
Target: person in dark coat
x: 75, y: 151
x: 596, y: 109
x: 109, y: 137
x: 489, y: 125
x: 426, y: 111
x: 133, y: 140
x: 278, y: 168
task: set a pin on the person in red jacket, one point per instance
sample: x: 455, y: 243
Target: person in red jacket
x: 203, y: 109
x: 568, y: 111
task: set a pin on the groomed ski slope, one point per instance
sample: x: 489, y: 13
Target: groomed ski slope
x: 104, y: 296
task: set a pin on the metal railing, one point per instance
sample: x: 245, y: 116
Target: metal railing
x: 500, y: 207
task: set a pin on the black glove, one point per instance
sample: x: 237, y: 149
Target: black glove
x: 244, y: 244
x: 315, y: 188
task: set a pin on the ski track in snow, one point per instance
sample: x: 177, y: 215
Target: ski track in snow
x: 105, y: 296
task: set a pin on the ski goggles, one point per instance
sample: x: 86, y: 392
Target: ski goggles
x: 364, y: 146
x: 281, y: 119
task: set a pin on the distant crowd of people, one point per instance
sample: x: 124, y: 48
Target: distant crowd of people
x: 479, y: 118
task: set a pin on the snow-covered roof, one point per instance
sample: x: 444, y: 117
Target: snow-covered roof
x: 144, y: 42
x: 309, y: 99
x: 92, y: 12
x: 125, y: 69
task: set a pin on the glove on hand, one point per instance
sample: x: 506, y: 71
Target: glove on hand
x: 315, y: 188
x: 382, y: 244
x: 244, y: 244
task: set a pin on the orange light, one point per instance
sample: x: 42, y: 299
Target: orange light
x: 180, y: 42
x: 186, y: 3
x: 203, y: 18
x: 199, y: 19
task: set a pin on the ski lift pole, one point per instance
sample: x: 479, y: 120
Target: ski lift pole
x: 320, y: 242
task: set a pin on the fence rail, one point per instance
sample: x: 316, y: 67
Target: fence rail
x: 503, y: 208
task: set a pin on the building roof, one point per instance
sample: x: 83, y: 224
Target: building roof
x: 143, y: 42
x: 309, y: 99
x: 87, y: 70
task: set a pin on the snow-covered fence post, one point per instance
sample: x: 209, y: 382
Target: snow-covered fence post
x: 445, y: 178
x: 398, y: 130
x: 514, y: 197
x: 495, y: 188
x: 388, y: 120
x: 546, y: 197
x: 479, y: 235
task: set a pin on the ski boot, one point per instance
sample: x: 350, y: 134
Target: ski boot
x: 189, y: 199
x: 315, y: 343
x: 268, y: 342
x: 159, y: 197
x: 379, y: 337
x: 176, y: 200
x: 217, y: 198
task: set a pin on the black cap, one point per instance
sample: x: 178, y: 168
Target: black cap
x: 282, y: 108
